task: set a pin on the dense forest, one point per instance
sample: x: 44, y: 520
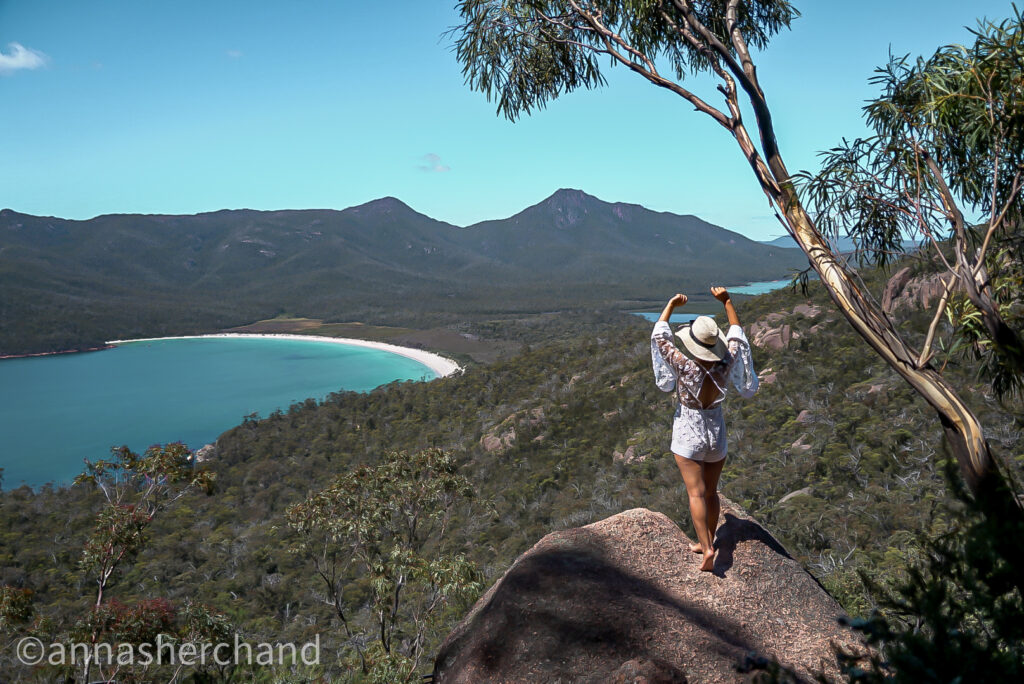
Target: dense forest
x: 835, y: 455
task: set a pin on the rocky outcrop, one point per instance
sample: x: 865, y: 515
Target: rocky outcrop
x: 809, y: 310
x: 205, y: 453
x: 770, y: 332
x: 503, y: 436
x: 628, y: 456
x: 894, y: 287
x: 494, y: 442
x: 800, y: 444
x: 906, y: 292
x: 762, y: 335
x: 622, y: 600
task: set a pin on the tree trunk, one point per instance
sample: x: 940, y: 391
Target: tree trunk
x: 961, y: 426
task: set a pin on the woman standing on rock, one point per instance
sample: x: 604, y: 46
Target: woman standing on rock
x: 698, y: 371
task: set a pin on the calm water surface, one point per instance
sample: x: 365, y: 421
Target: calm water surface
x: 676, y: 318
x: 757, y: 288
x: 56, y: 411
x: 760, y: 287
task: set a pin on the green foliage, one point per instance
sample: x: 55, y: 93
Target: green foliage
x: 957, y: 615
x: 526, y: 53
x: 996, y: 361
x: 136, y: 489
x: 947, y: 145
x: 15, y: 607
x: 381, y: 520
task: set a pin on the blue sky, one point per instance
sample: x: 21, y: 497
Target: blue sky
x: 119, y: 106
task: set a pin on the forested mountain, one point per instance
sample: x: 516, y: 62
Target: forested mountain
x: 586, y: 239
x: 73, y: 284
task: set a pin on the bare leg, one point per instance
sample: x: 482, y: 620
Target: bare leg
x: 712, y: 471
x: 693, y: 477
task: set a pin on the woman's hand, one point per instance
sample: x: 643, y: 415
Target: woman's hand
x: 677, y: 300
x: 722, y: 295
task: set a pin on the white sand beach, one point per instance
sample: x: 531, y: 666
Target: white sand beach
x: 441, y: 365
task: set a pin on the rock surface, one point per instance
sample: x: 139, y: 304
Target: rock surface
x: 905, y: 292
x: 630, y: 456
x: 622, y: 600
x: 770, y: 332
x: 206, y: 453
x: 502, y: 437
x: 762, y: 335
x: 809, y: 310
x: 894, y: 287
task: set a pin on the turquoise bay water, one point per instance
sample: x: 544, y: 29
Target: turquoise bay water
x: 757, y: 288
x: 57, y: 410
x: 676, y: 318
x: 760, y: 287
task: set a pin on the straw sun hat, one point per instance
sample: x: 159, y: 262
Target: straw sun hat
x: 703, y: 340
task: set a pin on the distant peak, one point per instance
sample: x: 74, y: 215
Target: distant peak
x: 570, y: 200
x: 571, y: 194
x: 384, y: 205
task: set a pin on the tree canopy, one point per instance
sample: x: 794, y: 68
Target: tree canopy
x: 526, y: 53
x: 947, y: 146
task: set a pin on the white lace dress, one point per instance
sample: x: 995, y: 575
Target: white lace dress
x: 698, y: 433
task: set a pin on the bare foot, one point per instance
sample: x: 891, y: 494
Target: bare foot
x: 709, y: 562
x: 696, y: 548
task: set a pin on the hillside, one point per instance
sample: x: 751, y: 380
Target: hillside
x: 604, y: 244
x: 74, y: 284
x: 835, y: 455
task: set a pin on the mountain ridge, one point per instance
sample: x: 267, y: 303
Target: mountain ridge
x: 558, y: 195
x: 68, y: 284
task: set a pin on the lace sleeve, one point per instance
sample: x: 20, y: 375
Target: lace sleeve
x: 666, y: 359
x: 742, y: 374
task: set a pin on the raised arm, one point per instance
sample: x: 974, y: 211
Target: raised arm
x: 742, y: 373
x: 677, y: 300
x: 661, y: 339
x: 722, y: 295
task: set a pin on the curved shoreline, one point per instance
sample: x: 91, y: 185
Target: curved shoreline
x: 33, y: 355
x: 441, y: 365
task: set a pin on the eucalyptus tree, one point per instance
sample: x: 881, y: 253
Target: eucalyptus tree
x: 526, y: 53
x: 947, y: 144
x: 136, y: 489
x: 384, y: 526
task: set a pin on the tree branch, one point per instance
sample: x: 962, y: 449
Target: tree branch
x: 926, y: 350
x: 1006, y: 339
x: 609, y: 37
x: 740, y: 44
